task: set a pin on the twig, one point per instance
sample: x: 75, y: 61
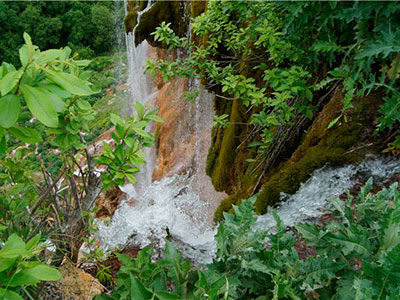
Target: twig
x: 48, y: 190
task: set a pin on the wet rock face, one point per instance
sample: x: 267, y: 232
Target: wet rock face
x: 183, y: 139
x: 108, y: 202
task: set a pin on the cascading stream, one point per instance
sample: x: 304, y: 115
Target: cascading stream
x: 141, y: 90
x: 180, y: 207
x: 171, y: 209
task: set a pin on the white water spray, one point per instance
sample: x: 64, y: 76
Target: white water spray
x: 171, y: 203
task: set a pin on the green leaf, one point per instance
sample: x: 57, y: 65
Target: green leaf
x: 9, y: 110
x: 13, y: 242
x: 71, y: 83
x: 392, y: 237
x: 9, y: 81
x: 23, y: 55
x: 33, y: 242
x: 47, y: 56
x: 40, y: 105
x: 154, y: 118
x: 9, y: 295
x: 43, y: 272
x: 138, y: 290
x: 55, y: 89
x: 132, y: 179
x: 29, y: 46
x: 167, y: 296
x: 3, y: 144
x: 26, y: 135
x: 333, y: 122
x: 7, y: 262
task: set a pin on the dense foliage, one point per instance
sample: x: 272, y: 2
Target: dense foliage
x: 46, y: 104
x: 276, y: 57
x: 355, y: 255
x: 88, y: 27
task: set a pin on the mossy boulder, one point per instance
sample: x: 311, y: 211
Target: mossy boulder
x: 198, y: 7
x: 175, y: 12
x: 321, y: 146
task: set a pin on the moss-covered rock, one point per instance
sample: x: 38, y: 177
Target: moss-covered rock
x: 198, y: 7
x: 221, y: 160
x: 175, y: 12
x: 321, y: 146
x: 337, y: 146
x: 131, y: 20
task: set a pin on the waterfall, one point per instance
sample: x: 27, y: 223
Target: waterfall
x: 180, y: 205
x: 141, y: 90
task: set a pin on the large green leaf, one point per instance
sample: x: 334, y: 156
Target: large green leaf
x: 7, y: 262
x: 53, y: 88
x: 46, y: 56
x: 54, y: 97
x: 41, y: 106
x: 43, y: 272
x: 70, y: 82
x: 9, y: 81
x: 9, y: 295
x: 9, y: 110
x: 23, y: 55
x: 26, y: 135
x: 138, y: 290
x: 29, y: 46
x: 21, y: 279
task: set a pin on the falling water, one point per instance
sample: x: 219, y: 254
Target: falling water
x: 141, y: 90
x: 171, y: 209
x: 310, y: 200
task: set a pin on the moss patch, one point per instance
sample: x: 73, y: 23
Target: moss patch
x: 130, y: 20
x: 222, y: 175
x: 198, y: 7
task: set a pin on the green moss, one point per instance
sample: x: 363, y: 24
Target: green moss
x: 143, y: 4
x: 222, y: 176
x: 130, y: 21
x: 226, y: 205
x: 162, y: 11
x: 198, y: 7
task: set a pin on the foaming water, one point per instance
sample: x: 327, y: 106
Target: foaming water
x: 309, y: 202
x: 168, y: 209
x: 171, y: 209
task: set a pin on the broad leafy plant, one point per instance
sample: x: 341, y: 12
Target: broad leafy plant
x: 19, y: 268
x: 356, y: 255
